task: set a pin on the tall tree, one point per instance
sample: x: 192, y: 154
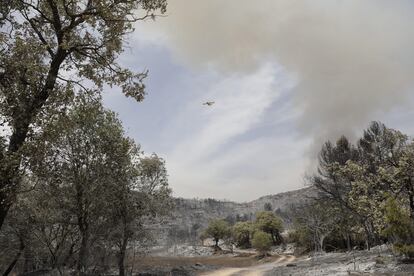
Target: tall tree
x: 335, y: 181
x: 141, y: 193
x: 357, y: 180
x: 42, y: 42
x: 82, y: 158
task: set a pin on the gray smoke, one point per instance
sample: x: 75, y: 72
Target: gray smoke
x: 352, y: 58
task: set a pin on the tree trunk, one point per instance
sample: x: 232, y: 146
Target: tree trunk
x: 84, y: 246
x: 321, y: 240
x: 348, y: 242
x: 315, y: 241
x: 9, y: 184
x: 69, y: 255
x: 376, y: 240
x: 83, y: 225
x: 368, y: 235
x: 16, y: 259
x: 11, y: 266
x: 273, y: 238
x: 4, y: 208
x: 28, y: 260
x: 121, y: 256
x: 368, y: 242
x: 411, y: 199
x: 83, y: 254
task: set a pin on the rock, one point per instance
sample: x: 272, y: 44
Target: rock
x: 291, y: 265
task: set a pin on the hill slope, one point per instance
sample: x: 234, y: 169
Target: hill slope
x: 191, y: 216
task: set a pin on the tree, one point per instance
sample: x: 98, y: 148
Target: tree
x: 90, y: 189
x: 269, y: 223
x: 267, y: 206
x: 399, y: 176
x: 44, y: 41
x: 217, y: 229
x: 339, y: 166
x: 301, y: 235
x: 317, y: 219
x: 262, y: 242
x: 83, y: 161
x: 14, y: 239
x: 124, y: 205
x: 331, y: 158
x: 145, y: 196
x: 243, y: 232
x: 381, y: 146
x: 357, y: 180
x: 44, y: 226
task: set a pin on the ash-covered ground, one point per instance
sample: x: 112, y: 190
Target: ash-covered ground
x: 189, y: 260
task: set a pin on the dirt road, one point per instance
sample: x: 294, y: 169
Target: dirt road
x: 256, y: 270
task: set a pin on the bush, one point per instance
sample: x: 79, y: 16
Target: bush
x: 262, y: 241
x: 399, y: 227
x: 405, y: 249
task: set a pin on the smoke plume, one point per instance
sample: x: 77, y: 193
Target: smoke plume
x: 352, y: 58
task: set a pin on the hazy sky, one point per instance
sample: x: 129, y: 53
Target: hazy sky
x: 284, y: 75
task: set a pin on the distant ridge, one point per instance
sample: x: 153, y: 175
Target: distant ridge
x: 191, y: 216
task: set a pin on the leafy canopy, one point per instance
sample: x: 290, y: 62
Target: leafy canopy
x: 218, y: 229
x: 262, y: 241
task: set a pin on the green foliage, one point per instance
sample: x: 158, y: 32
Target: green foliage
x: 357, y: 180
x: 398, y: 224
x: 314, y: 222
x: 243, y: 232
x: 90, y: 189
x: 405, y: 249
x: 43, y: 41
x: 218, y: 229
x: 87, y: 186
x: 262, y: 241
x: 399, y: 227
x: 152, y: 184
x: 301, y: 236
x: 269, y: 223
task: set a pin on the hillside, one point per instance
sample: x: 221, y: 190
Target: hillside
x: 191, y: 216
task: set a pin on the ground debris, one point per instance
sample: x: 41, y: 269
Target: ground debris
x: 337, y: 264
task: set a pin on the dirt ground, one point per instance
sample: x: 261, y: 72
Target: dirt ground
x: 342, y: 264
x: 197, y: 265
x: 225, y: 261
x: 254, y: 270
x: 246, y: 264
